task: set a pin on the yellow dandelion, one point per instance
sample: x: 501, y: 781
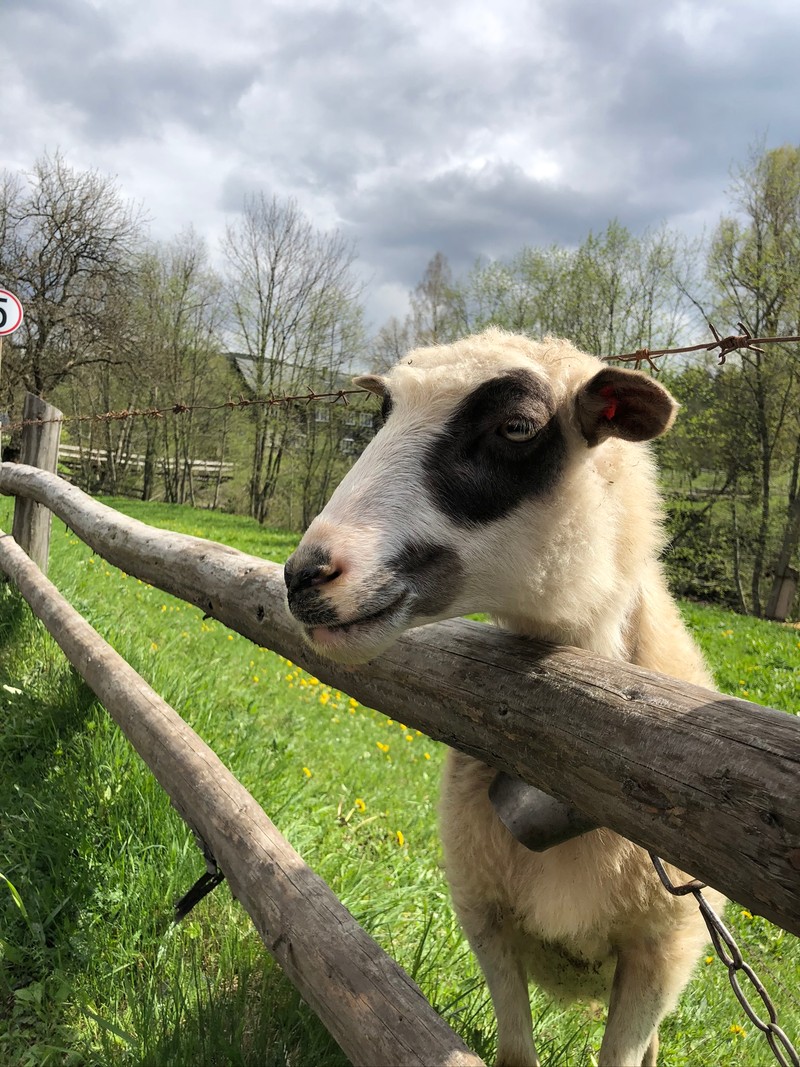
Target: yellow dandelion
x: 709, y: 959
x: 353, y: 703
x: 745, y: 914
x: 360, y: 805
x: 427, y: 755
x: 230, y: 637
x: 738, y: 1031
x: 409, y: 737
x: 400, y: 838
x: 324, y: 698
x: 153, y: 646
x: 163, y: 607
x: 381, y: 746
x: 255, y: 679
x: 307, y: 772
x: 313, y: 681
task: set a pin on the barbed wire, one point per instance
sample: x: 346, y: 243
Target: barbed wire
x: 726, y: 345
x: 180, y: 409
x: 730, y: 954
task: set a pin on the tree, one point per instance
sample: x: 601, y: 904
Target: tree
x: 181, y: 300
x: 613, y: 293
x: 754, y: 275
x: 293, y: 299
x: 168, y: 356
x: 68, y: 243
x: 392, y: 342
x: 434, y: 318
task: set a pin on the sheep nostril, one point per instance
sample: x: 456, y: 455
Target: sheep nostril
x: 309, y: 577
x: 326, y: 574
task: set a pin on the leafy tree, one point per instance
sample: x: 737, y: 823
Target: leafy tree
x: 68, y: 243
x: 754, y: 278
x: 613, y: 293
x: 294, y: 301
x: 168, y: 356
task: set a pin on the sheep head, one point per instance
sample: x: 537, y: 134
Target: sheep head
x: 498, y: 484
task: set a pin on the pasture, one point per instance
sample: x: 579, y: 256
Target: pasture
x: 92, y: 856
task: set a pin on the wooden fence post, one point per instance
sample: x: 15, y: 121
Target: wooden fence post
x: 32, y: 521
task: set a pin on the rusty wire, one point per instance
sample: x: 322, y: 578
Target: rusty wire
x: 726, y: 345
x: 181, y: 409
x: 730, y: 954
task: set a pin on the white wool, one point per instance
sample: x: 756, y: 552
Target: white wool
x: 577, y: 565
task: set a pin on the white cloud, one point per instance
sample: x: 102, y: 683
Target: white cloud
x: 464, y: 127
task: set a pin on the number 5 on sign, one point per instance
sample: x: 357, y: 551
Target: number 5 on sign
x: 10, y: 313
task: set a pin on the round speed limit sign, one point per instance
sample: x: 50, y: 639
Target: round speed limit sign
x: 10, y: 313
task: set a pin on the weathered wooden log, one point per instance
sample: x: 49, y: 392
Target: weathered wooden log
x: 708, y: 782
x: 368, y: 1003
x: 39, y: 448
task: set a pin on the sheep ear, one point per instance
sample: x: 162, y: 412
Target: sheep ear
x: 373, y: 383
x: 623, y: 403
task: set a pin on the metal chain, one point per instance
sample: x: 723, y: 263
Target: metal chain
x: 728, y: 951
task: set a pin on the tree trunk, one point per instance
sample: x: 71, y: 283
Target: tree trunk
x: 791, y: 541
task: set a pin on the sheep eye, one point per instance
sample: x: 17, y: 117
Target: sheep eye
x: 518, y: 430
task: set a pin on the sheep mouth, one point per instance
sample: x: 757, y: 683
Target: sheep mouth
x: 361, y: 639
x: 368, y: 620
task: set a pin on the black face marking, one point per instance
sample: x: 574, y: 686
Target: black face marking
x: 433, y: 572
x: 473, y: 473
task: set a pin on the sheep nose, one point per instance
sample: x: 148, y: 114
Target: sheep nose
x: 299, y: 577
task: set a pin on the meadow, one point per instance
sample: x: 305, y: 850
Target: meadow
x: 92, y: 857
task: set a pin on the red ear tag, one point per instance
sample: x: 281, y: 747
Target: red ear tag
x: 610, y: 410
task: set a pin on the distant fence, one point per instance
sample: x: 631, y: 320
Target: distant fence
x: 706, y: 781
x: 77, y: 456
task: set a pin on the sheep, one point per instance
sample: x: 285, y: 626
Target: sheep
x: 513, y: 477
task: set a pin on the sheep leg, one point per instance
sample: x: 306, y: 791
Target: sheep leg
x: 506, y: 976
x: 647, y: 981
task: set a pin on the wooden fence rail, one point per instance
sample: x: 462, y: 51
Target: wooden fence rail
x: 708, y: 782
x: 368, y: 1003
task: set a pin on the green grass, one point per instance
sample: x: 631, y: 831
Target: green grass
x: 92, y: 856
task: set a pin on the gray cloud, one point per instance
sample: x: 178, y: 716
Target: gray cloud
x: 470, y: 215
x: 466, y: 128
x: 77, y: 58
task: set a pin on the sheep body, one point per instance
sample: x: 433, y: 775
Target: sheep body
x: 512, y: 478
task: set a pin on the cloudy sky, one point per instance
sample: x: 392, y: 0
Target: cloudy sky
x: 473, y: 128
